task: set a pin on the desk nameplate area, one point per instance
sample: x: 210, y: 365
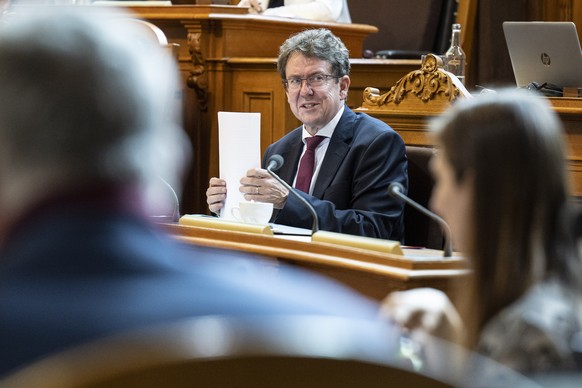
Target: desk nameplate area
x: 413, y: 258
x: 374, y: 244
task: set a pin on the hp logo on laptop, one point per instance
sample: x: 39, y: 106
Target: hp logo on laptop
x: 546, y: 60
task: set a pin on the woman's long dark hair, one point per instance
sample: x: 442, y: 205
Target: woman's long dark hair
x: 511, y: 144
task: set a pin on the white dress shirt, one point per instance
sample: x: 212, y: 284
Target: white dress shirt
x: 327, y: 132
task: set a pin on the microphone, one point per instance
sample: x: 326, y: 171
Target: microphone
x: 275, y: 162
x: 176, y: 212
x: 396, y: 190
x: 175, y: 217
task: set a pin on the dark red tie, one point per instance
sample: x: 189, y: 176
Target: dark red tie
x: 307, y: 163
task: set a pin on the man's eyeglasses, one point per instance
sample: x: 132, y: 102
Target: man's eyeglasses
x: 313, y: 81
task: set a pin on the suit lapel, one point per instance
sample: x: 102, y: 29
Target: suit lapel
x: 339, y: 145
x: 291, y: 156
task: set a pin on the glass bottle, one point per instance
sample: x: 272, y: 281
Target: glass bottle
x: 455, y: 60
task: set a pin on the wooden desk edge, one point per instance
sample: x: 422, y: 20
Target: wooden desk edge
x: 285, y: 249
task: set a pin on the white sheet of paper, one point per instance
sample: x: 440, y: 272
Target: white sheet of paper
x: 239, y: 148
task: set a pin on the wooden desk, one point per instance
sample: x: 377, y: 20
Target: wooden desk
x: 570, y: 111
x: 371, y: 273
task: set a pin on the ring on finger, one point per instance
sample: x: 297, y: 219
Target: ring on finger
x: 258, y: 190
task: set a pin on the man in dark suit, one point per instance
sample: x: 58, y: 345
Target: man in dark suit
x: 356, y: 157
x: 86, y: 131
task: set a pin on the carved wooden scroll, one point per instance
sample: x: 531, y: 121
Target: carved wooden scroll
x: 428, y: 87
x: 198, y: 79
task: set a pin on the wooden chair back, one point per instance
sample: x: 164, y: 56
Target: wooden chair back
x: 406, y: 29
x: 296, y: 351
x: 419, y: 230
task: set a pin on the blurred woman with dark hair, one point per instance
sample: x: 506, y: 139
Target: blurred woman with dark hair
x: 501, y: 184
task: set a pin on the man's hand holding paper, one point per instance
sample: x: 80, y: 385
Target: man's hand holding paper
x: 258, y: 185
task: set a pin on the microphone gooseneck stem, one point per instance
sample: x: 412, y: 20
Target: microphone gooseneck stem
x: 447, y: 249
x: 315, y: 225
x: 176, y: 212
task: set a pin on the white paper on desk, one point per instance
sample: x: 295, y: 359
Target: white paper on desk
x: 239, y: 150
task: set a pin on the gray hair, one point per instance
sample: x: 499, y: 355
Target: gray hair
x: 319, y: 43
x: 81, y: 100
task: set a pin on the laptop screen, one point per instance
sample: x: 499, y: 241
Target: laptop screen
x: 544, y: 52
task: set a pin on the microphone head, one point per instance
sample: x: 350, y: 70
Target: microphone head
x: 275, y: 162
x: 395, y: 188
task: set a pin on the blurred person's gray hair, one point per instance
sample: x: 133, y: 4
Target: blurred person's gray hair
x: 81, y: 101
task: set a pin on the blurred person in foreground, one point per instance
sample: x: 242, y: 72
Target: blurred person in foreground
x: 4, y: 5
x: 355, y: 162
x: 501, y: 184
x: 320, y: 10
x: 88, y: 125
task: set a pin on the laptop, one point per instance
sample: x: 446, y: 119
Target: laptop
x: 544, y: 52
